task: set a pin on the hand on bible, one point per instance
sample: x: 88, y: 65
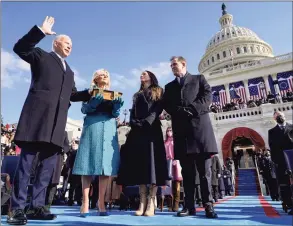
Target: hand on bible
x: 95, y: 101
x: 47, y: 26
x: 117, y: 103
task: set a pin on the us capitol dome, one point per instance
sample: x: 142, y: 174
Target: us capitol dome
x: 233, y: 45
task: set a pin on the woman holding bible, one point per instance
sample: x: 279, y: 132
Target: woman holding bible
x: 98, y: 152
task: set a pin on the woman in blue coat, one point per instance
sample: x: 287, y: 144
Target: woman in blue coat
x: 98, y: 152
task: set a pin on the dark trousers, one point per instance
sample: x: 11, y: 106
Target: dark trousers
x: 215, y: 192
x: 198, y: 194
x: 189, y: 165
x: 75, y: 192
x: 284, y: 183
x: 47, y: 162
x: 50, y: 194
x: 273, y: 187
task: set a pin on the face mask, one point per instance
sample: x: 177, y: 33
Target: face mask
x: 280, y: 119
x: 169, y: 134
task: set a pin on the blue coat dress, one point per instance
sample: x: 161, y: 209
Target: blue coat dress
x: 98, y: 152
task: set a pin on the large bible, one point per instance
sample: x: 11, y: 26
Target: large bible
x: 107, y: 94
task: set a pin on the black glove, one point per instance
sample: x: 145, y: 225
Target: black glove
x: 185, y: 112
x: 135, y: 123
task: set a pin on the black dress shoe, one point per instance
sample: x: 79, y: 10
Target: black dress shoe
x: 17, y: 217
x: 210, y: 212
x: 186, y: 212
x: 41, y: 213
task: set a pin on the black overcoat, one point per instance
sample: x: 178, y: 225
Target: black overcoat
x: 216, y: 169
x: 194, y: 133
x: 143, y: 156
x: 44, y: 113
x: 279, y: 141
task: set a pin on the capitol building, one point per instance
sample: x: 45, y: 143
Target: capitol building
x: 240, y: 67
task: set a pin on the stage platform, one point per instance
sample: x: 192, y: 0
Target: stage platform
x: 239, y: 210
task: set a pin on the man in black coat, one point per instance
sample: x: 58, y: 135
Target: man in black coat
x: 269, y: 173
x: 279, y: 141
x: 43, y: 118
x: 187, y: 99
x: 216, y: 174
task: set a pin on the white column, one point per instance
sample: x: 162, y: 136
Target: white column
x: 266, y: 79
x: 227, y: 93
x: 274, y: 76
x: 246, y: 90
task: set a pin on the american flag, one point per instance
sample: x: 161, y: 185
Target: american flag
x: 237, y: 91
x: 285, y: 82
x: 219, y: 95
x: 255, y: 90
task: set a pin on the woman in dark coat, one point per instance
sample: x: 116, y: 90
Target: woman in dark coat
x: 143, y: 157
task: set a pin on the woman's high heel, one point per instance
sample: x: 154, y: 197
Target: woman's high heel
x: 83, y: 214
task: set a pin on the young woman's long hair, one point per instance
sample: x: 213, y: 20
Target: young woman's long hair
x: 156, y: 90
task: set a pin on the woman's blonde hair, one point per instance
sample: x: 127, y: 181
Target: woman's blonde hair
x: 97, y: 73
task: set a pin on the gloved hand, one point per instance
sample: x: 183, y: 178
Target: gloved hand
x: 95, y: 101
x: 135, y: 123
x: 117, y: 103
x: 185, y: 112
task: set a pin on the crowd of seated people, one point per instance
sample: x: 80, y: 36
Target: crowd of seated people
x: 8, y: 147
x: 237, y: 104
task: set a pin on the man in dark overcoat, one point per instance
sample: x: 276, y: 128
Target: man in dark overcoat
x: 187, y: 99
x: 279, y: 141
x: 216, y: 174
x: 43, y: 118
x: 269, y: 173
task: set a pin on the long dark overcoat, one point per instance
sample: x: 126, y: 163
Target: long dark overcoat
x: 191, y: 134
x: 143, y: 156
x: 216, y: 169
x: 44, y: 114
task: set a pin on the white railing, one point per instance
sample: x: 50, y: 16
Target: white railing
x: 256, y: 112
x: 259, y: 63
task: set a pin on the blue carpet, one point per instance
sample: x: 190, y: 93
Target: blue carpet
x: 247, y: 182
x: 240, y: 210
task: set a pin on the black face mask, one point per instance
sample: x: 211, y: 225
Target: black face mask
x: 280, y: 119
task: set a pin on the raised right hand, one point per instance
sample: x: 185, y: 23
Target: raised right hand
x: 47, y: 26
x: 95, y: 101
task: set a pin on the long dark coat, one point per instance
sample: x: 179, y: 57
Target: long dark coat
x: 269, y: 169
x: 278, y: 142
x: 195, y: 133
x: 216, y: 169
x: 143, y: 156
x: 44, y: 114
x: 227, y: 178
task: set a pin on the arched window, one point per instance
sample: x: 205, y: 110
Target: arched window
x: 238, y: 50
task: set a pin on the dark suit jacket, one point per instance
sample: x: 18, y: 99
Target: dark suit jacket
x: 191, y: 135
x: 44, y: 114
x: 278, y: 142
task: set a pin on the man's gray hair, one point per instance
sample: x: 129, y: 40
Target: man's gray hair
x: 57, y: 38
